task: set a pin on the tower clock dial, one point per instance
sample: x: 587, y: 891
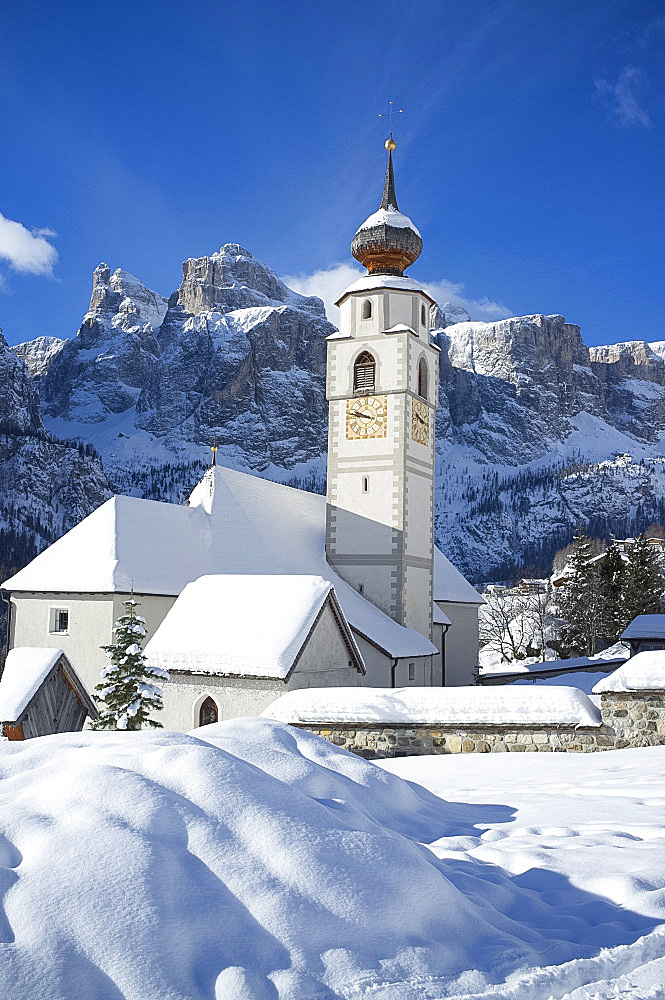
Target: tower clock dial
x: 366, y: 417
x: 419, y: 422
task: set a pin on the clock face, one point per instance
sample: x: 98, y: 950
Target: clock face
x: 366, y: 417
x: 419, y: 421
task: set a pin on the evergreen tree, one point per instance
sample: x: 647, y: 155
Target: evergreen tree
x: 579, y: 601
x: 127, y: 692
x: 643, y: 591
x: 611, y: 586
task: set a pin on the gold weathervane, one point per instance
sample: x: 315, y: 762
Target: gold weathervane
x: 390, y: 143
x: 213, y: 449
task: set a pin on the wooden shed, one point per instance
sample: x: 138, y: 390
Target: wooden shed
x: 41, y: 694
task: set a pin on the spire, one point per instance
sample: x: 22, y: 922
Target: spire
x: 213, y: 449
x: 389, y: 200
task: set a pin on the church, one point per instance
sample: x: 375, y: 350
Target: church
x: 254, y: 588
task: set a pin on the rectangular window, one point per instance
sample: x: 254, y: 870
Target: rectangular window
x: 361, y: 588
x: 59, y: 620
x: 412, y: 671
x: 365, y: 484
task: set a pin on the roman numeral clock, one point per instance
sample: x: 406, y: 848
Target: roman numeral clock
x: 366, y: 417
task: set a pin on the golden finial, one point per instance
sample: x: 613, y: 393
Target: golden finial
x: 390, y: 143
x: 213, y: 449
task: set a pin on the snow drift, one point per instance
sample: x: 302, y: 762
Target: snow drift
x: 252, y: 862
x: 540, y: 706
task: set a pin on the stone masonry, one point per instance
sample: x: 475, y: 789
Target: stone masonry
x: 377, y: 740
x: 634, y: 718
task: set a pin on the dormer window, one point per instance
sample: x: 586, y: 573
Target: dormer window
x: 423, y: 378
x: 367, y: 309
x: 364, y: 373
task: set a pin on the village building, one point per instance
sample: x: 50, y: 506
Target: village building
x: 396, y: 610
x: 41, y: 694
x: 646, y: 632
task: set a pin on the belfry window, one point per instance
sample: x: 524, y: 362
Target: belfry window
x: 423, y: 315
x: 364, y: 373
x: 422, y: 378
x: 208, y: 712
x: 367, y: 309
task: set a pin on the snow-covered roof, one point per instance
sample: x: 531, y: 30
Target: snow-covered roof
x: 248, y: 626
x: 450, y: 585
x: 388, y: 217
x: 645, y: 627
x: 642, y: 672
x: 26, y: 667
x: 235, y: 523
x: 543, y: 666
x: 438, y: 616
x: 449, y: 705
x: 372, y: 282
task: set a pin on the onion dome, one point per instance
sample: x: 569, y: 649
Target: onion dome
x: 387, y: 242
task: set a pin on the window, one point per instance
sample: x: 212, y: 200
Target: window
x: 208, y: 712
x: 364, y: 373
x: 59, y: 620
x: 361, y: 591
x: 423, y: 315
x: 367, y: 309
x: 423, y: 377
x: 412, y: 671
x: 365, y: 484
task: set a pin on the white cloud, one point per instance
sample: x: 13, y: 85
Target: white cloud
x: 621, y: 100
x: 330, y: 282
x: 27, y: 251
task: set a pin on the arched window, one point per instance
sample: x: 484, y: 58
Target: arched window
x: 423, y: 315
x: 367, y: 309
x: 208, y: 712
x: 422, y: 378
x: 364, y: 372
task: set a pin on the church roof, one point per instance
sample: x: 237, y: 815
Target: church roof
x: 374, y: 282
x: 235, y: 524
x: 248, y: 626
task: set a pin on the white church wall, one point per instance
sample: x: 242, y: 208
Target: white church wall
x: 461, y: 659
x: 90, y: 624
x: 325, y: 651
x: 153, y: 607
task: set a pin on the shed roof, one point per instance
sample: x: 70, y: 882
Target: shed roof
x: 235, y: 524
x: 645, y: 627
x: 26, y: 669
x: 249, y: 626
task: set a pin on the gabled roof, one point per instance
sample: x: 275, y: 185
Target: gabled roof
x: 247, y: 626
x: 235, y: 523
x: 26, y: 669
x: 645, y: 627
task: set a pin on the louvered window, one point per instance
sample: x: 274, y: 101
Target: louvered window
x: 422, y: 378
x: 364, y: 373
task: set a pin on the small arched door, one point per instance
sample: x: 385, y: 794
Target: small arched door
x: 208, y: 712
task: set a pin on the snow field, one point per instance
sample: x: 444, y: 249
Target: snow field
x: 251, y: 861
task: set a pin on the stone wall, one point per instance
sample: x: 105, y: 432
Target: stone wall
x: 376, y: 740
x: 634, y: 718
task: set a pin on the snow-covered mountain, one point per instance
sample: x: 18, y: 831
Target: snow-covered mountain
x: 46, y: 485
x: 233, y: 354
x: 39, y: 353
x: 535, y: 431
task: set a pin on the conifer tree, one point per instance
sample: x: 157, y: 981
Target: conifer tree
x: 127, y: 692
x: 579, y: 601
x: 611, y: 585
x: 643, y: 591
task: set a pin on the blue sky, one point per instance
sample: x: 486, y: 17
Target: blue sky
x: 530, y: 154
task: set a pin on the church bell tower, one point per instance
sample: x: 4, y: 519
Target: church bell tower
x: 382, y: 391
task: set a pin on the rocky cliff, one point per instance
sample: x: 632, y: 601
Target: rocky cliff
x: 535, y: 431
x: 46, y: 485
